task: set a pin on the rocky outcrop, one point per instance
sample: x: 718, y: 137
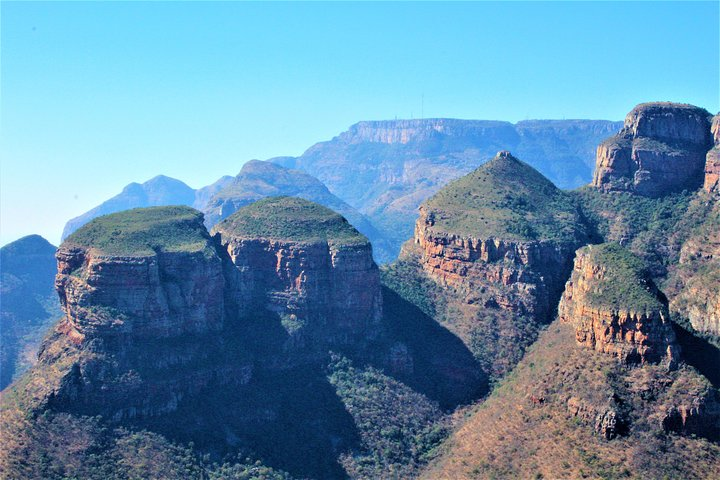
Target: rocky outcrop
x: 144, y: 315
x: 698, y: 415
x: 499, y: 242
x: 616, y: 309
x: 660, y: 149
x: 712, y: 160
x: 522, y: 276
x: 323, y: 286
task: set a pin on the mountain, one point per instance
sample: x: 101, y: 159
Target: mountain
x: 185, y: 354
x: 258, y: 179
x: 524, y: 332
x: 28, y: 302
x: 599, y: 394
x: 158, y: 191
x: 386, y: 169
x: 661, y: 148
x: 499, y: 244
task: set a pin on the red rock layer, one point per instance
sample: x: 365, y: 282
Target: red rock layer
x: 660, y: 149
x: 632, y: 336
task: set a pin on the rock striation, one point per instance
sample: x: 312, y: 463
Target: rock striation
x: 660, y: 149
x: 308, y: 266
x: 616, y: 309
x: 143, y: 296
x: 501, y: 239
x: 712, y: 160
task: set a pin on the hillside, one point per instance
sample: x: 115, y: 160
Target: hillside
x: 28, y: 304
x: 498, y: 245
x: 269, y: 349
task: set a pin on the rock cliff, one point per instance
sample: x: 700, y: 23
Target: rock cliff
x: 616, y: 309
x: 712, y: 161
x: 143, y: 296
x: 693, y: 283
x: 660, y: 149
x: 501, y: 240
x: 307, y: 265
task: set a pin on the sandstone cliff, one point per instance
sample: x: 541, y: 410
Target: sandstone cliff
x: 712, y: 162
x: 500, y: 241
x: 660, y: 149
x: 307, y: 265
x: 142, y: 294
x: 693, y: 283
x: 616, y: 309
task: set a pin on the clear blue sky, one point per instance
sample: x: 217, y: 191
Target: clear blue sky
x: 96, y: 95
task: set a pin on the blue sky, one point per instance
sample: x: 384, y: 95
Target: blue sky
x: 97, y: 95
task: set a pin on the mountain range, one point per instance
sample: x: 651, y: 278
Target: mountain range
x: 524, y: 330
x: 378, y: 173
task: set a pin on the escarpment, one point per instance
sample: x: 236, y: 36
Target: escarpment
x: 616, y: 309
x: 306, y: 265
x: 712, y: 160
x: 501, y: 240
x: 661, y: 149
x: 142, y: 293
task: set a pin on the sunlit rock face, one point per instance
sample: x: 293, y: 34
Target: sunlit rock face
x: 660, y: 149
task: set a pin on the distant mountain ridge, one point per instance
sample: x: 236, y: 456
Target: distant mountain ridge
x: 386, y: 169
x: 377, y: 173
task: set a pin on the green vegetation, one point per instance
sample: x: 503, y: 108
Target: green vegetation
x: 291, y: 219
x: 509, y: 199
x: 144, y: 231
x: 399, y: 428
x: 652, y: 228
x: 624, y: 282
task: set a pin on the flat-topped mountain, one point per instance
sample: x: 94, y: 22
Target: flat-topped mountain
x: 660, y: 149
x: 307, y: 264
x: 386, y: 169
x: 29, y: 304
x: 269, y: 339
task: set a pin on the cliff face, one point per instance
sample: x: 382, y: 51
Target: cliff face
x: 326, y: 291
x: 712, y: 161
x: 137, y: 319
x: 616, y: 309
x: 693, y: 284
x: 660, y: 149
x: 500, y: 242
